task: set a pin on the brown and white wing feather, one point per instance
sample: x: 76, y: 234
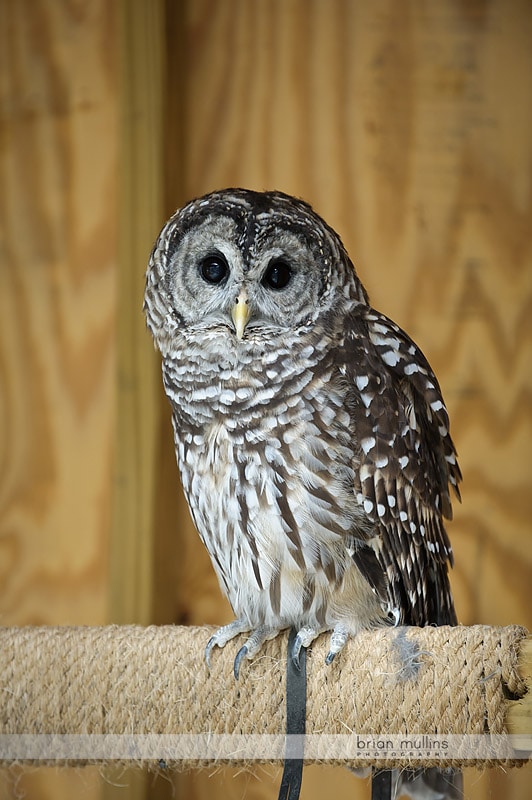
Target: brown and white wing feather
x: 407, y: 463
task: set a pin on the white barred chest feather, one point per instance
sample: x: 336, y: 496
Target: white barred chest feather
x: 268, y: 472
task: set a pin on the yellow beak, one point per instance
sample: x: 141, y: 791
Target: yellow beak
x: 241, y: 313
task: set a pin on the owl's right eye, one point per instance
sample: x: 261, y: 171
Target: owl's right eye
x: 214, y: 269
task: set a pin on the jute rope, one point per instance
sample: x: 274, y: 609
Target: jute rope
x: 88, y: 682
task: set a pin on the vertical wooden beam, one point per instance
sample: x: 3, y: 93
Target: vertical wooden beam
x: 142, y: 57
x: 142, y: 74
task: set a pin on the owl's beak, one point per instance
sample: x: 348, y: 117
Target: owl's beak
x: 241, y: 313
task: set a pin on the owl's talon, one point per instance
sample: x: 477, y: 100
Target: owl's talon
x: 224, y: 635
x: 296, y: 649
x: 240, y: 656
x: 305, y: 637
x: 208, y: 650
x: 295, y: 655
x: 253, y: 645
x: 339, y: 637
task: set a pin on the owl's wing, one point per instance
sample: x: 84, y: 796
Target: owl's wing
x: 407, y: 463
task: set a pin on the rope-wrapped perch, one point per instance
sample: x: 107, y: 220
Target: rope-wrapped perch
x: 150, y: 687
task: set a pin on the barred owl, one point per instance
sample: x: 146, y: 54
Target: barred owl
x: 311, y: 435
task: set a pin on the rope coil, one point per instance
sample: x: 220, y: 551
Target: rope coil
x: 135, y: 681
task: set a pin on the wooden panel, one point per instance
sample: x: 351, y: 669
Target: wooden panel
x: 57, y: 307
x: 409, y: 127
x: 58, y: 195
x: 138, y: 371
x: 133, y: 594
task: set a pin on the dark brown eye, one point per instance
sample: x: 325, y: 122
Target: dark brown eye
x: 214, y: 269
x: 277, y: 276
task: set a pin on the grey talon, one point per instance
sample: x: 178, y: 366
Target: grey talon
x: 208, y: 650
x: 242, y: 653
x: 296, y: 649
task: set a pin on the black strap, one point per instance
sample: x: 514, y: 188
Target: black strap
x: 381, y: 785
x: 296, y: 713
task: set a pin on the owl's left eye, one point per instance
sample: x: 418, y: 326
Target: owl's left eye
x: 278, y: 275
x: 214, y: 269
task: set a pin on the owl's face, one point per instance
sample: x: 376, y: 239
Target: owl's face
x: 246, y: 267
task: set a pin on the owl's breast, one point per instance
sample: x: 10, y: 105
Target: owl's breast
x: 267, y: 459
x: 273, y: 424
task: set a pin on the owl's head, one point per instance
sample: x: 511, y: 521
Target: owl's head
x: 245, y: 265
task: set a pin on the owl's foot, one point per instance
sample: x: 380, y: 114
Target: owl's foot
x: 305, y: 637
x: 224, y: 635
x: 249, y: 649
x: 339, y: 637
x: 253, y: 645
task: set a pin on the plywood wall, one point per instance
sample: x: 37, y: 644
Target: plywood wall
x: 57, y: 314
x: 408, y: 126
x: 58, y: 263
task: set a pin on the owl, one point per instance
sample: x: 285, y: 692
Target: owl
x: 310, y: 431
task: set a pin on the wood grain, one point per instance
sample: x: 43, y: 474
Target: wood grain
x: 57, y: 308
x: 138, y: 372
x: 58, y: 208
x: 408, y: 126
